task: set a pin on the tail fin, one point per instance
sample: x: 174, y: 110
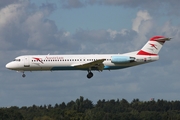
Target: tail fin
x: 153, y: 46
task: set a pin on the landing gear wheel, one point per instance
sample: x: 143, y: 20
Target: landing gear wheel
x: 23, y: 75
x: 90, y: 75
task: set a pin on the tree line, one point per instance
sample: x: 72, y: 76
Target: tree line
x: 84, y: 109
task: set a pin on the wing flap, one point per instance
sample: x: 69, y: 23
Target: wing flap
x: 95, y: 64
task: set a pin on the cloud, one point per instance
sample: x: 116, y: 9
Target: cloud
x: 4, y: 3
x: 26, y: 26
x: 26, y: 29
x: 171, y: 31
x: 153, y: 7
x: 104, y: 41
x: 9, y: 19
x: 71, y: 4
x: 142, y: 24
x: 35, y: 31
x: 142, y: 16
x: 79, y: 3
x: 157, y: 7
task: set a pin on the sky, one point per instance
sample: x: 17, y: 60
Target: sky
x: 88, y: 27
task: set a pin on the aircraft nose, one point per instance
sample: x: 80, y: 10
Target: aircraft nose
x: 10, y: 66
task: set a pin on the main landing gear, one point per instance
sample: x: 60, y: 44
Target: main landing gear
x: 90, y: 74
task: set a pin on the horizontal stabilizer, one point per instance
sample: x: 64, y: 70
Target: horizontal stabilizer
x: 160, y: 39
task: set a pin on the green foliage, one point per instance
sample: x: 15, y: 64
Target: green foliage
x: 10, y: 114
x: 83, y: 109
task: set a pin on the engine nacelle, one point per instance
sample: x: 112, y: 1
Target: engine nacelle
x: 122, y: 59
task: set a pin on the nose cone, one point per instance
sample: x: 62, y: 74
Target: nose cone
x: 8, y: 66
x: 11, y: 66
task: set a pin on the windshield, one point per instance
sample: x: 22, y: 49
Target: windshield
x: 17, y: 60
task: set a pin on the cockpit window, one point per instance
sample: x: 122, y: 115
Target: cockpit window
x: 17, y: 60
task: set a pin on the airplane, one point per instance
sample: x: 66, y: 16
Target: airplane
x: 89, y: 62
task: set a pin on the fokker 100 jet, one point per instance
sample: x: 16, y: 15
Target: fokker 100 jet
x: 89, y: 62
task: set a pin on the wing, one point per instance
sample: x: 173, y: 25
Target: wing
x: 97, y: 64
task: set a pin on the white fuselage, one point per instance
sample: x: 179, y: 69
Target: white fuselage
x: 99, y: 62
x: 68, y: 62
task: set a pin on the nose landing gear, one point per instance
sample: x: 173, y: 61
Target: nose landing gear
x: 23, y: 75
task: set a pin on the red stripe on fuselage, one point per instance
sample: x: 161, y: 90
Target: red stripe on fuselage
x: 141, y: 52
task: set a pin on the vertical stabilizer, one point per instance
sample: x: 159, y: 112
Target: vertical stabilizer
x: 153, y: 46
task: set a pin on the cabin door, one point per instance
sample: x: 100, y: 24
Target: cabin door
x: 26, y: 61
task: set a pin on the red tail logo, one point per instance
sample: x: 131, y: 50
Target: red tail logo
x: 153, y: 45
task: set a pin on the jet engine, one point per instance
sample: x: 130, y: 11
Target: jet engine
x: 122, y: 59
